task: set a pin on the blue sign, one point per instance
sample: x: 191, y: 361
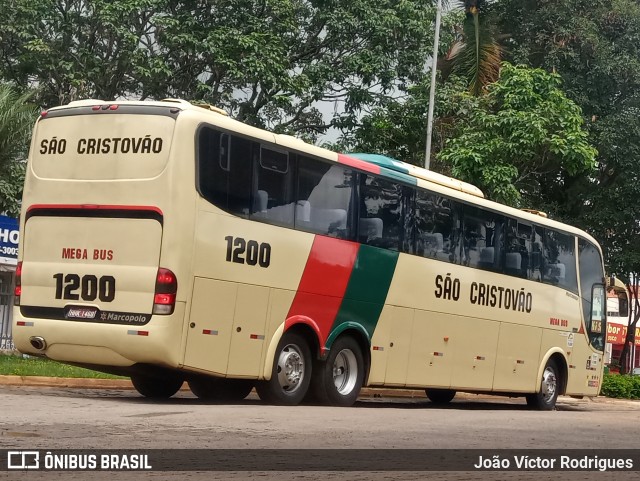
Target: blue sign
x: 9, y: 238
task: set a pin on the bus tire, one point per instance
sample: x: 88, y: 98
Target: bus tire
x: 157, y: 387
x: 545, y: 399
x: 338, y: 379
x: 440, y: 396
x: 290, y: 374
x: 217, y: 389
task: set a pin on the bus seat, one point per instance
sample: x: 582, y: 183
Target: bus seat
x: 327, y: 221
x: 433, y: 243
x: 370, y: 228
x: 487, y: 258
x: 556, y: 271
x: 513, y: 263
x: 260, y: 201
x: 487, y: 255
x: 303, y: 211
x: 280, y: 214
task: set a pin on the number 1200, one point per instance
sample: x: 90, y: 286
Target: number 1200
x: 90, y: 287
x: 250, y: 252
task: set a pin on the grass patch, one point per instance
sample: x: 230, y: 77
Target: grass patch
x: 34, y: 366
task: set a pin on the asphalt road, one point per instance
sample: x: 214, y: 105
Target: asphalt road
x: 59, y: 418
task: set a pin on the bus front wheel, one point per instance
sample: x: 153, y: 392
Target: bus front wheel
x: 157, y: 387
x: 291, y: 372
x: 224, y: 390
x: 338, y: 379
x: 545, y: 399
x: 440, y: 396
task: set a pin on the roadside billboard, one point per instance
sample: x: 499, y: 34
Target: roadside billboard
x: 9, y: 238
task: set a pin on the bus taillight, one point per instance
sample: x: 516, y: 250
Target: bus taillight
x: 17, y: 292
x: 164, y: 299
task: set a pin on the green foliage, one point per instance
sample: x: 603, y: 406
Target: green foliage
x: 476, y: 53
x: 621, y: 386
x: 595, y: 47
x: 75, y: 49
x: 397, y: 128
x: 16, y: 119
x: 524, y: 128
x: 269, y: 62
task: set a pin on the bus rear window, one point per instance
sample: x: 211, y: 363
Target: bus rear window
x: 102, y: 147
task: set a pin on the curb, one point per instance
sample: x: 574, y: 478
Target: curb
x: 68, y: 382
x: 366, y: 392
x: 92, y: 383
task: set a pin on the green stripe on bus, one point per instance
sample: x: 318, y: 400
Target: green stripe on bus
x: 366, y: 292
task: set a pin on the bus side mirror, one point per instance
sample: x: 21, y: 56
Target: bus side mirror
x: 623, y: 304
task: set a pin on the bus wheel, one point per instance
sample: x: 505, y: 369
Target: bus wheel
x: 440, y: 396
x: 339, y: 378
x: 291, y: 372
x: 157, y: 387
x: 545, y: 400
x: 215, y: 389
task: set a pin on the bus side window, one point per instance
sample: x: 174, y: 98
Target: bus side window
x: 224, y: 170
x: 592, y: 291
x: 436, y: 227
x: 212, y: 179
x: 560, y: 260
x: 518, y: 249
x: 240, y: 176
x: 483, y: 239
x: 273, y: 197
x: 380, y: 222
x: 324, y: 199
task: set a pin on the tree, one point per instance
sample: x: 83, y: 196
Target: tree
x: 476, y: 53
x: 594, y: 47
x: 16, y: 119
x: 397, y: 127
x: 524, y: 128
x: 72, y: 49
x: 269, y: 62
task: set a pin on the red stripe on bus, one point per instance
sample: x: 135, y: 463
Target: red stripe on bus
x: 358, y: 164
x: 323, y: 284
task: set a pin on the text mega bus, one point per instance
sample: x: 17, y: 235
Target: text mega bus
x: 169, y: 243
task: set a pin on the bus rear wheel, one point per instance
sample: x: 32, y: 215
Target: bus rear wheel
x: 290, y: 374
x: 338, y: 380
x: 545, y: 399
x: 440, y: 396
x: 216, y: 389
x: 157, y: 387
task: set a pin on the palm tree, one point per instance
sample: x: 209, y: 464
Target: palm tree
x: 476, y: 53
x: 16, y: 121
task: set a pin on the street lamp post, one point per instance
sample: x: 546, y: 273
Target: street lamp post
x: 432, y: 92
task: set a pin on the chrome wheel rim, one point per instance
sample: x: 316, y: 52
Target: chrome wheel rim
x: 345, y: 372
x: 549, y: 385
x: 290, y: 368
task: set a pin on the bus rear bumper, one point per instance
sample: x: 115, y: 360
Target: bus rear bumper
x: 158, y: 342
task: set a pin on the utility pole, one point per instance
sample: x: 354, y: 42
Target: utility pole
x: 432, y: 93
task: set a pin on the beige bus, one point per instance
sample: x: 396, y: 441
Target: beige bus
x: 168, y: 242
